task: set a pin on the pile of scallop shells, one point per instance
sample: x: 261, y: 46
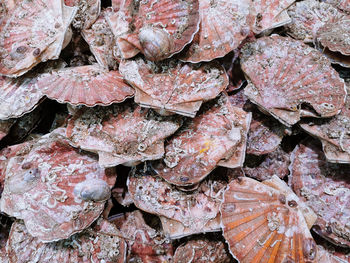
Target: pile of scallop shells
x: 175, y: 131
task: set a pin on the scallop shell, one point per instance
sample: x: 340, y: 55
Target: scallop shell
x: 308, y: 16
x: 101, y: 41
x: 286, y: 74
x: 5, y: 127
x: 343, y: 5
x: 32, y: 32
x: 40, y: 188
x: 155, y: 196
x: 158, y: 29
x: 121, y: 134
x: 325, y: 188
x: 202, y: 251
x: 172, y: 86
x: 328, y: 257
x: 85, y: 85
x: 262, y: 223
x: 100, y: 243
x: 224, y: 24
x: 88, y: 12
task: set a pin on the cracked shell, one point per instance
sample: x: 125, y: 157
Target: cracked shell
x: 325, y: 188
x: 88, y: 11
x: 174, y: 87
x: 263, y: 222
x: 89, y: 85
x: 158, y: 29
x: 43, y: 186
x: 224, y: 24
x: 285, y: 74
x: 214, y: 135
x: 101, y: 242
x: 121, y: 134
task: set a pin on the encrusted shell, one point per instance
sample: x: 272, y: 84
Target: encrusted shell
x: 285, y: 74
x: 88, y: 11
x: 172, y: 86
x: 262, y: 223
x: 40, y: 188
x: 343, y: 5
x: 325, y: 188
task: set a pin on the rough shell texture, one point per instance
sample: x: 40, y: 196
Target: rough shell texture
x: 285, y: 74
x: 85, y: 85
x: 202, y: 251
x: 156, y: 196
x: 101, y: 42
x: 5, y: 127
x: 308, y: 16
x: 343, y: 5
x: 100, y: 243
x: 172, y: 86
x: 215, y: 134
x: 326, y: 256
x: 325, y: 188
x: 88, y: 11
x: 145, y: 244
x: 121, y: 134
x: 224, y: 24
x: 264, y: 224
x: 43, y: 187
x: 158, y: 29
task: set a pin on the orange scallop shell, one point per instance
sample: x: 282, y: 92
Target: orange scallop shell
x: 262, y: 223
x: 85, y: 85
x: 54, y: 188
x: 285, y: 74
x: 174, y: 87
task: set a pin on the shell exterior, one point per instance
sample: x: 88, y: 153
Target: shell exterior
x: 202, y: 251
x: 101, y: 41
x: 172, y: 86
x: 284, y: 74
x: 308, y: 17
x: 215, y: 134
x: 156, y: 196
x: 100, y: 243
x: 158, y: 29
x: 324, y: 255
x: 88, y: 12
x: 40, y: 188
x: 85, y: 85
x: 224, y: 24
x: 264, y: 224
x: 121, y: 134
x: 343, y: 5
x: 325, y: 189
x: 5, y: 127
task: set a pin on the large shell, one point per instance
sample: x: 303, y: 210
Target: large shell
x: 325, y: 187
x: 121, y: 134
x: 88, y: 11
x: 5, y: 127
x: 224, y: 24
x: 202, y: 251
x: 215, y: 134
x: 100, y: 243
x: 172, y: 86
x: 158, y: 29
x: 32, y: 32
x: 85, y: 85
x: 308, y: 16
x: 286, y: 74
x: 52, y: 187
x: 262, y: 223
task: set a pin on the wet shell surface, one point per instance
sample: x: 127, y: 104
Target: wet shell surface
x: 285, y: 74
x: 202, y: 251
x: 158, y: 29
x: 85, y: 85
x: 214, y: 135
x: 174, y: 87
x: 224, y: 24
x: 325, y: 188
x: 264, y: 224
x: 56, y: 190
x: 121, y: 134
x: 100, y: 243
x: 87, y: 13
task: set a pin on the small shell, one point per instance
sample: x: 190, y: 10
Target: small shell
x: 95, y: 190
x: 40, y: 183
x: 85, y: 85
x: 265, y: 224
x: 172, y: 86
x: 284, y: 74
x: 325, y: 188
x: 88, y: 11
